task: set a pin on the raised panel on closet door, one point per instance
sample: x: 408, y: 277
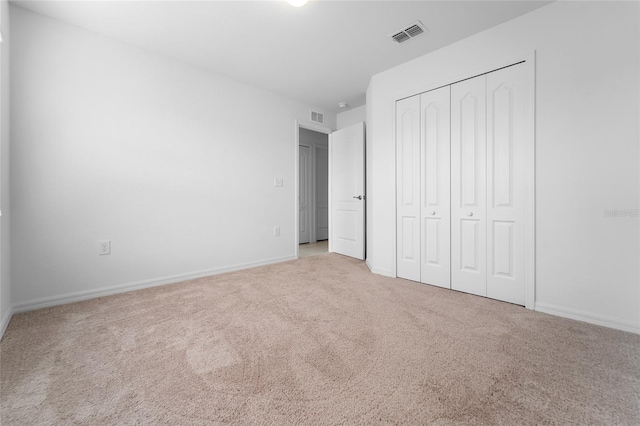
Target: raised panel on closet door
x: 468, y: 186
x: 435, y: 187
x: 322, y: 192
x: 506, y: 137
x: 408, y: 188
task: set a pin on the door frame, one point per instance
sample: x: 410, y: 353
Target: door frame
x: 301, y: 124
x: 529, y: 61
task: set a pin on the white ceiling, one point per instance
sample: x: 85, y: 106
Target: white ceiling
x: 321, y: 54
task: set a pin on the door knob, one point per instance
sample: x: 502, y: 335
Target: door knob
x: 359, y: 197
x: 433, y: 213
x: 470, y: 214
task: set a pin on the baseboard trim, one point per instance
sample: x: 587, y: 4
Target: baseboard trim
x: 366, y: 262
x: 379, y: 271
x: 603, y: 320
x: 47, y: 302
x: 5, y: 321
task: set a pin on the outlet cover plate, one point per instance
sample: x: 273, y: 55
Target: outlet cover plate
x: 104, y: 247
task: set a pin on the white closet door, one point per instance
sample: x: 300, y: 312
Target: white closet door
x: 506, y: 137
x: 435, y: 186
x: 304, y: 194
x: 408, y: 188
x: 322, y: 192
x: 468, y: 186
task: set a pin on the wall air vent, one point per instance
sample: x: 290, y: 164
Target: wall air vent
x: 317, y: 117
x: 409, y: 32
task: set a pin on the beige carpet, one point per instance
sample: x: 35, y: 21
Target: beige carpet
x: 319, y: 340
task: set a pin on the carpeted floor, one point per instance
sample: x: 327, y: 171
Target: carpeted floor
x: 319, y: 340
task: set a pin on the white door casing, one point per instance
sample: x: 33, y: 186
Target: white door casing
x: 468, y: 186
x: 347, y: 183
x: 506, y: 204
x: 408, y: 188
x: 304, y: 194
x: 435, y: 210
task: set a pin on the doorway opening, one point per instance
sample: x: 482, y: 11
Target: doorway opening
x: 313, y: 192
x: 312, y: 189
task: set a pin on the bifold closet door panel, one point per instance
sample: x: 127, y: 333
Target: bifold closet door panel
x: 408, y: 188
x: 506, y: 138
x: 304, y: 194
x: 468, y: 186
x: 435, y: 142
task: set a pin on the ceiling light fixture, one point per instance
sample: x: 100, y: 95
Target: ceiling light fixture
x: 343, y: 105
x: 297, y: 3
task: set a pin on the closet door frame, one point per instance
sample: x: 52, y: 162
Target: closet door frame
x: 528, y: 59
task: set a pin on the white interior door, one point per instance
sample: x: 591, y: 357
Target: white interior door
x: 506, y: 151
x: 408, y: 188
x: 347, y: 178
x: 468, y: 186
x: 435, y: 211
x: 304, y: 194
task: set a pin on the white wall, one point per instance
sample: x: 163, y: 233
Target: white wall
x: 587, y: 150
x: 5, y: 275
x: 351, y: 116
x: 173, y: 164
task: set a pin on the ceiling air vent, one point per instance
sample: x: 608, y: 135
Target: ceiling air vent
x: 400, y: 37
x: 411, y: 31
x: 317, y: 117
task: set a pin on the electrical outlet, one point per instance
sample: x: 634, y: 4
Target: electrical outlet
x: 104, y: 247
x: 276, y: 231
x: 278, y: 182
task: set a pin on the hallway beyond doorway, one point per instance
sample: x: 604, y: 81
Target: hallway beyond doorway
x: 314, y: 249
